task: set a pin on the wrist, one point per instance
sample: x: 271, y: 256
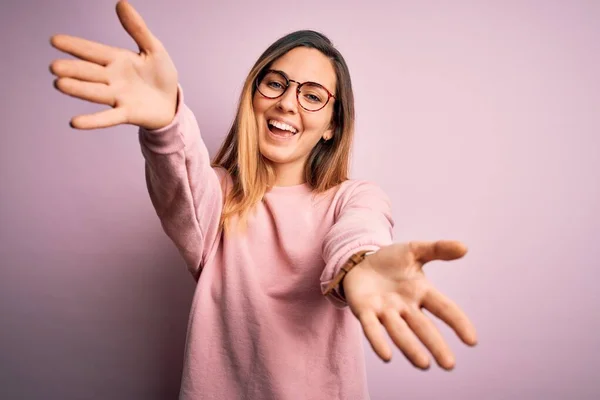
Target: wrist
x: 354, y: 260
x: 361, y: 264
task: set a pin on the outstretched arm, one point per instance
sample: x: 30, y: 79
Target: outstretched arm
x: 185, y: 190
x: 141, y: 89
x: 363, y: 223
x: 387, y: 289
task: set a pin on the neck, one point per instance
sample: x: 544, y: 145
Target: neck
x: 289, y: 174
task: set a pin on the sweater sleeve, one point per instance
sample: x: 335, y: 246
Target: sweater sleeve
x: 364, y: 222
x: 184, y: 188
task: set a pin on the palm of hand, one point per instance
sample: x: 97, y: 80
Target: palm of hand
x: 145, y: 84
x: 388, y: 289
x: 140, y: 87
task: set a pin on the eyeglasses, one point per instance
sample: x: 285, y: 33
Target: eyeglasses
x: 310, y: 95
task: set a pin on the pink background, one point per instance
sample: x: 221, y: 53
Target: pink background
x: 479, y: 118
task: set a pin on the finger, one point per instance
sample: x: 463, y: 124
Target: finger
x: 449, y: 312
x: 135, y: 26
x: 84, y: 49
x: 431, y: 337
x: 78, y: 69
x: 102, y: 119
x: 89, y: 91
x: 404, y: 339
x: 375, y: 335
x: 441, y: 250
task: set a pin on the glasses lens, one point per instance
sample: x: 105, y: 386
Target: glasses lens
x: 313, y: 96
x: 272, y: 85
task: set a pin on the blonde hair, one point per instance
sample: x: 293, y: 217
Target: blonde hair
x: 329, y: 161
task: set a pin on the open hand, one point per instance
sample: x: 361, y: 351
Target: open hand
x: 389, y: 289
x: 140, y: 87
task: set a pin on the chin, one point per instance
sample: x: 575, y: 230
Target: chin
x: 276, y: 154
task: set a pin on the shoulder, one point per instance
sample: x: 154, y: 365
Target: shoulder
x: 356, y: 193
x: 357, y: 188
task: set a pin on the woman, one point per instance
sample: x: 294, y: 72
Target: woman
x: 292, y: 258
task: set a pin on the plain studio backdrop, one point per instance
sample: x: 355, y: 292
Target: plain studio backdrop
x: 479, y: 118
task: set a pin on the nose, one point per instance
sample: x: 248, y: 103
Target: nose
x: 288, y: 102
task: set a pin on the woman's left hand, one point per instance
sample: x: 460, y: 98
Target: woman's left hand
x: 389, y: 288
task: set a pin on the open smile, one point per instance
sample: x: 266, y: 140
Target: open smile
x: 281, y: 130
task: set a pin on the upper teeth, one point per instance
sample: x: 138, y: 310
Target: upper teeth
x: 282, y: 126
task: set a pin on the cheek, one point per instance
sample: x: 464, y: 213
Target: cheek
x: 255, y: 104
x: 261, y: 105
x: 317, y: 126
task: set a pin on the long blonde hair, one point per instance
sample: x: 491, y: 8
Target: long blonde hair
x: 329, y: 161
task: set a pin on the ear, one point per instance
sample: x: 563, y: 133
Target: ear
x: 328, y: 134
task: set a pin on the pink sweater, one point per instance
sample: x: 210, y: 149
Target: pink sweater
x: 259, y: 326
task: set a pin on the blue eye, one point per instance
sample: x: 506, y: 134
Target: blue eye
x: 313, y: 98
x: 275, y: 85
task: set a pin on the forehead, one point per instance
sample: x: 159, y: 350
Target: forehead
x: 306, y: 64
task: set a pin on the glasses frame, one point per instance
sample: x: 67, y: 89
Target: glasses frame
x: 287, y: 86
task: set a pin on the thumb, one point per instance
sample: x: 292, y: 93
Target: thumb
x: 446, y: 250
x: 136, y: 27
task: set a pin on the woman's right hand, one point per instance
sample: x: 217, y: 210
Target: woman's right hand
x: 140, y: 87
